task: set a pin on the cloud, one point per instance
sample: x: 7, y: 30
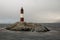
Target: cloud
x: 42, y: 11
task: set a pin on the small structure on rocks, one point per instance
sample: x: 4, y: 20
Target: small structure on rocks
x: 23, y: 26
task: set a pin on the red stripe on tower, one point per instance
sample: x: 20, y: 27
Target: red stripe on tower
x: 22, y: 15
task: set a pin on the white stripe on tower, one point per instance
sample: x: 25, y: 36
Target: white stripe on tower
x: 22, y: 15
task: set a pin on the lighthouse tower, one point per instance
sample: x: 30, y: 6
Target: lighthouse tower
x: 22, y: 15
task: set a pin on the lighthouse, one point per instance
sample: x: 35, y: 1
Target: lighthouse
x: 22, y: 15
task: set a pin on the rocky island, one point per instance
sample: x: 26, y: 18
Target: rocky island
x: 24, y: 26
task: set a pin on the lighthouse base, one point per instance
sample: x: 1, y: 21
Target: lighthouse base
x: 28, y: 27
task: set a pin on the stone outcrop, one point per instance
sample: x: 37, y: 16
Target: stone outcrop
x: 27, y: 27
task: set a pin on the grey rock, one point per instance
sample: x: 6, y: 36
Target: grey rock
x: 27, y: 27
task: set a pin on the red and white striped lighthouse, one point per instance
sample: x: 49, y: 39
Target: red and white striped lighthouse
x: 22, y: 15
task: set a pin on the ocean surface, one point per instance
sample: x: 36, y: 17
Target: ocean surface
x: 53, y: 34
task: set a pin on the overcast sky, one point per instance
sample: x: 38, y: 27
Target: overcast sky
x: 40, y: 11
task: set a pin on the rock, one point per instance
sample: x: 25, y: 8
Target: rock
x: 41, y: 29
x: 28, y: 27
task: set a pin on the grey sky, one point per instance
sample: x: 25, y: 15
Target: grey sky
x: 42, y: 11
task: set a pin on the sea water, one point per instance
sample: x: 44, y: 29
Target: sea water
x: 53, y: 34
